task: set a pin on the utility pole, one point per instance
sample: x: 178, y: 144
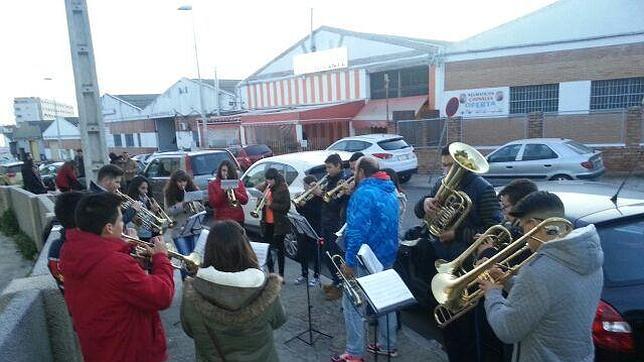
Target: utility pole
x: 92, y: 130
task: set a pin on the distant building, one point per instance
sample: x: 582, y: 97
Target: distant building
x: 35, y: 109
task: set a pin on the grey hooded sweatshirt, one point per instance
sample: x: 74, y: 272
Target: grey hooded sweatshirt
x: 549, y: 311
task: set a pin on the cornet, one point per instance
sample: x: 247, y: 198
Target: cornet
x: 350, y: 285
x: 339, y: 190
x: 260, y: 203
x: 189, y: 263
x: 232, y: 199
x: 309, y: 194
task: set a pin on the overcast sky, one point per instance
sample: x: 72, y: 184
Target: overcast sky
x: 143, y: 46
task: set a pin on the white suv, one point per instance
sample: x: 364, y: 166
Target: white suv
x: 391, y: 149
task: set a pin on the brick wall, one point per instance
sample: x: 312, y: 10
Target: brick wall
x: 493, y: 131
x: 592, y: 128
x: 620, y: 61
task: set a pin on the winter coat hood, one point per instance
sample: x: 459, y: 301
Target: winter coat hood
x: 580, y: 250
x: 81, y: 260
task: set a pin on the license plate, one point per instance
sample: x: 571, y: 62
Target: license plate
x: 403, y: 157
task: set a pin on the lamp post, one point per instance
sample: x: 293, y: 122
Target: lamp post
x: 194, y: 39
x: 59, y: 140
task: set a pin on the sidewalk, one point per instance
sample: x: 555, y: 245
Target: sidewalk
x: 327, y: 317
x: 12, y: 264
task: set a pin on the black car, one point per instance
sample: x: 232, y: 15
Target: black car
x: 618, y: 329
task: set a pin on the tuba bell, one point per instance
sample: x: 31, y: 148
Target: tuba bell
x: 454, y: 205
x: 457, y: 291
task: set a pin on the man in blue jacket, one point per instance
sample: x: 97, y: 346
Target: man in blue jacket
x: 372, y: 219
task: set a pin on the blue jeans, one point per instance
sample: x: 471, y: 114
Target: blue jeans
x: 185, y: 245
x: 354, y: 324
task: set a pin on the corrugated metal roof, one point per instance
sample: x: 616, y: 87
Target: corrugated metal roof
x: 227, y: 85
x: 138, y: 100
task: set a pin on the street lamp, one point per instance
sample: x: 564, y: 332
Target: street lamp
x: 194, y: 38
x: 59, y: 140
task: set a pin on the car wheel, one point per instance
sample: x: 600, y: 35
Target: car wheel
x: 290, y: 245
x: 404, y: 178
x: 560, y: 178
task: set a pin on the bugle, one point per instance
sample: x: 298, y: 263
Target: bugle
x: 260, y: 203
x: 349, y: 284
x: 457, y: 294
x: 338, y: 190
x: 310, y: 193
x: 189, y: 263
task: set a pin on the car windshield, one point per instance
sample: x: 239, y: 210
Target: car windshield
x: 578, y: 147
x: 255, y: 150
x: 207, y: 163
x: 623, y: 248
x: 394, y: 144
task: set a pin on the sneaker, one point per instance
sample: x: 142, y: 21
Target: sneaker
x: 315, y: 282
x: 333, y: 293
x: 345, y: 357
x: 375, y: 349
x: 299, y: 280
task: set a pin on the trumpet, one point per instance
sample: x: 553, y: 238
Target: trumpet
x: 189, y: 263
x: 308, y: 194
x: 260, y: 203
x: 145, y: 217
x: 457, y: 294
x: 339, y: 190
x: 232, y: 199
x: 350, y: 285
x: 160, y: 213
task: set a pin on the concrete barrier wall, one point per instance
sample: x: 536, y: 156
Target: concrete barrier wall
x: 23, y: 329
x: 34, y: 212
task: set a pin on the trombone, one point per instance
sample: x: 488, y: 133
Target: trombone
x: 309, y: 194
x: 339, y: 190
x: 161, y: 213
x: 457, y: 294
x: 350, y: 285
x: 260, y: 203
x: 189, y: 263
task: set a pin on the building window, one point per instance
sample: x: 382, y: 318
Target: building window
x: 534, y: 98
x: 117, y: 140
x: 129, y: 140
x: 616, y: 93
x: 402, y: 83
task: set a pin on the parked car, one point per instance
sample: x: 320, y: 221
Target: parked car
x: 48, y: 174
x: 294, y: 167
x: 618, y: 328
x: 142, y: 158
x: 199, y: 164
x: 10, y: 173
x: 392, y: 150
x: 544, y: 159
x: 249, y: 154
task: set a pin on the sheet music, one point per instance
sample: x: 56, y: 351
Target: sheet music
x: 261, y: 250
x: 385, y: 290
x: 200, y: 246
x: 229, y: 184
x: 194, y: 196
x: 369, y: 259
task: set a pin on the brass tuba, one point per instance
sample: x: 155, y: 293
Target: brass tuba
x: 455, y: 204
x: 144, y: 217
x: 338, y: 190
x: 260, y: 203
x: 308, y: 194
x: 350, y: 285
x: 457, y: 291
x: 179, y: 261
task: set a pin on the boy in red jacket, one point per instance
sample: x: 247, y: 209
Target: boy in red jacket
x: 113, y: 302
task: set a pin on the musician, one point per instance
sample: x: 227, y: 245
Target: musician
x: 180, y: 211
x: 549, y: 311
x: 331, y: 220
x: 353, y: 161
x: 372, y: 219
x: 114, y: 304
x: 218, y: 197
x: 231, y: 307
x: 139, y: 190
x: 275, y: 223
x: 305, y: 245
x: 461, y: 340
x: 64, y: 211
x: 109, y: 180
x: 66, y: 179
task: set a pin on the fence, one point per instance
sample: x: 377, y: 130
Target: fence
x: 280, y: 138
x: 600, y: 127
x: 423, y: 133
x: 492, y: 132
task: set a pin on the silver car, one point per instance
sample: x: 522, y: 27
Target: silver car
x: 544, y: 159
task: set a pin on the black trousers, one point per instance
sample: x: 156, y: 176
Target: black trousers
x: 276, y: 243
x: 307, y: 247
x: 328, y: 233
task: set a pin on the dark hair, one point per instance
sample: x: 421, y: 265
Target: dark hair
x: 65, y: 208
x: 109, y: 171
x: 94, y: 211
x: 79, y: 150
x: 310, y: 178
x: 228, y: 249
x: 112, y: 156
x: 133, y: 188
x: 518, y: 189
x: 445, y: 151
x: 393, y: 176
x: 334, y: 159
x: 173, y: 193
x: 273, y: 174
x: 356, y: 156
x: 368, y: 165
x: 232, y: 170
x: 68, y: 167
x: 539, y: 204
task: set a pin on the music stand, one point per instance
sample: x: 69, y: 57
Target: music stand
x: 302, y: 227
x: 193, y: 225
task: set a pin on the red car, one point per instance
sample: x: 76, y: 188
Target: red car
x: 249, y: 154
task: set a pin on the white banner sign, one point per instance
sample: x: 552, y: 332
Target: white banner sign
x: 471, y: 103
x: 321, y: 61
